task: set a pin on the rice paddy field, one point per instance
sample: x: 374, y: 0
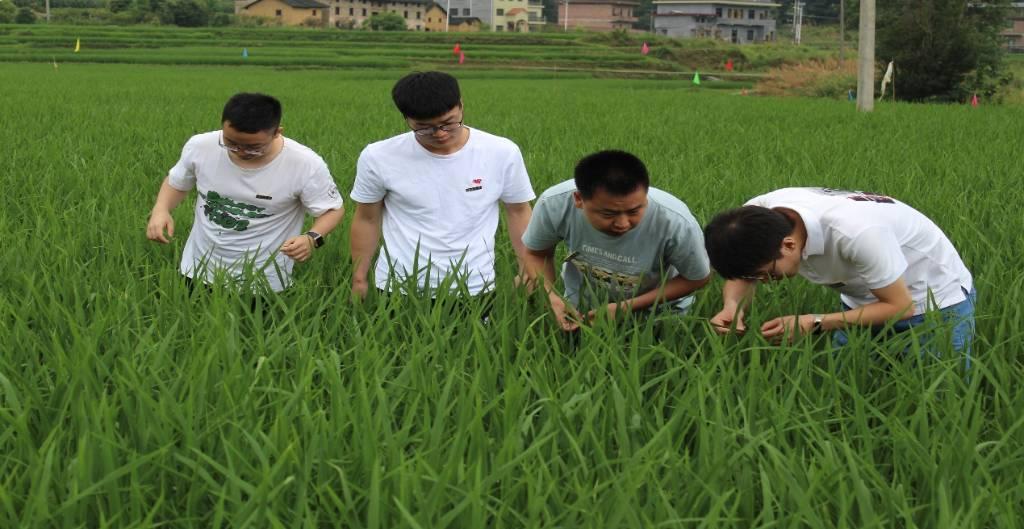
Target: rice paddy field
x: 124, y: 403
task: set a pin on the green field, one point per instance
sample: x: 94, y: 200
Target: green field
x: 125, y: 404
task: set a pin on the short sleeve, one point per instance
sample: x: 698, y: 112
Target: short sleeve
x: 517, y: 182
x: 369, y: 186
x: 546, y: 228
x: 183, y: 175
x: 761, y: 201
x: 876, y: 255
x: 320, y: 194
x: 686, y: 252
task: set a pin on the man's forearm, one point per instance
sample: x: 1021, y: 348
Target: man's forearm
x: 365, y: 236
x: 518, y: 218
x: 673, y: 289
x: 326, y: 222
x: 737, y: 293
x: 539, y: 265
x: 168, y: 197
x: 877, y: 313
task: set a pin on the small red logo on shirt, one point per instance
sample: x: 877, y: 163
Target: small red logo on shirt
x: 478, y: 181
x: 478, y: 184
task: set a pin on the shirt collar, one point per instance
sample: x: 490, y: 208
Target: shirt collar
x: 815, y: 243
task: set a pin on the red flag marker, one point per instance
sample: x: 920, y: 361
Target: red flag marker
x: 462, y: 57
x: 457, y: 49
x: 974, y: 101
x: 645, y: 49
x: 728, y: 65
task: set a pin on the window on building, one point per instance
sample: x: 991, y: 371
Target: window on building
x: 278, y: 12
x: 750, y: 35
x: 499, y: 12
x: 417, y: 28
x: 750, y: 14
x: 337, y: 11
x: 405, y: 14
x: 374, y: 13
x: 364, y: 11
x: 718, y: 11
x: 314, y: 12
x: 417, y: 15
x: 499, y: 28
x: 351, y: 11
x: 465, y: 11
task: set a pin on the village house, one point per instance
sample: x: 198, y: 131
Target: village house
x: 1014, y: 34
x: 501, y: 15
x: 598, y: 15
x: 739, y: 22
x: 287, y: 12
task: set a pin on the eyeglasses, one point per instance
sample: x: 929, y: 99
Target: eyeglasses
x: 430, y: 131
x: 770, y: 275
x: 247, y: 149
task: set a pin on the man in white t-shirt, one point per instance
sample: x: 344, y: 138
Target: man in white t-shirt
x: 434, y: 192
x: 255, y: 187
x: 631, y: 246
x: 887, y: 260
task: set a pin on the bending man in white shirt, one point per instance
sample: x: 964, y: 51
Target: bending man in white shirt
x: 887, y: 260
x: 255, y: 187
x: 434, y: 191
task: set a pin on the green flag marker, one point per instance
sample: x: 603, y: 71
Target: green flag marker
x: 696, y: 78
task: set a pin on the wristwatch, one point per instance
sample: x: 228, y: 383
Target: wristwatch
x: 816, y: 327
x: 318, y: 240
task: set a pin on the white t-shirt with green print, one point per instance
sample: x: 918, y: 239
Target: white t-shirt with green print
x: 243, y: 216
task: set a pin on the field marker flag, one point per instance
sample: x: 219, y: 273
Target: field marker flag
x: 886, y: 79
x: 696, y: 78
x: 462, y: 57
x: 54, y: 62
x: 728, y: 65
x: 645, y: 49
x: 245, y: 53
x: 974, y: 101
x: 78, y: 45
x: 457, y: 49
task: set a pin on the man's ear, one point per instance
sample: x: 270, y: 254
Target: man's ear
x: 577, y: 199
x: 789, y: 245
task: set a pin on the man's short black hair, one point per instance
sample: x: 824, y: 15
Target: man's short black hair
x: 251, y: 113
x: 742, y: 240
x: 426, y: 95
x: 617, y: 172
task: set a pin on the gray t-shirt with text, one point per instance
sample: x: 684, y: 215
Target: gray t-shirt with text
x: 666, y: 243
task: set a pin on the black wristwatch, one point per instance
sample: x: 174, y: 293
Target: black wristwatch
x: 318, y: 240
x: 816, y: 328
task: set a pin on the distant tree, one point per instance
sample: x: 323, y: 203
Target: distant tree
x: 25, y: 15
x: 117, y: 6
x: 187, y: 13
x: 943, y: 50
x: 7, y: 12
x: 387, y: 21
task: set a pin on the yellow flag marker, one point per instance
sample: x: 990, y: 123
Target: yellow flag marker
x: 78, y: 45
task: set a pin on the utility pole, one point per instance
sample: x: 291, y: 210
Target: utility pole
x: 798, y: 20
x: 842, y: 33
x: 566, y: 21
x: 866, y: 57
x: 447, y: 15
x: 47, y: 11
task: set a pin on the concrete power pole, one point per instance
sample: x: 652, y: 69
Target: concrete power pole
x: 866, y: 58
x: 47, y: 11
x: 798, y: 20
x: 842, y: 33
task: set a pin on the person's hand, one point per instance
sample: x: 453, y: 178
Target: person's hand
x: 159, y: 221
x: 611, y: 313
x: 359, y: 289
x: 723, y: 321
x: 299, y: 248
x: 567, y: 317
x: 786, y: 329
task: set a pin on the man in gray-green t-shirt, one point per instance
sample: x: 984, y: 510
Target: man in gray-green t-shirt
x: 630, y: 246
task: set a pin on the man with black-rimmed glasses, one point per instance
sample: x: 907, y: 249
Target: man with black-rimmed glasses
x: 255, y: 188
x: 434, y: 192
